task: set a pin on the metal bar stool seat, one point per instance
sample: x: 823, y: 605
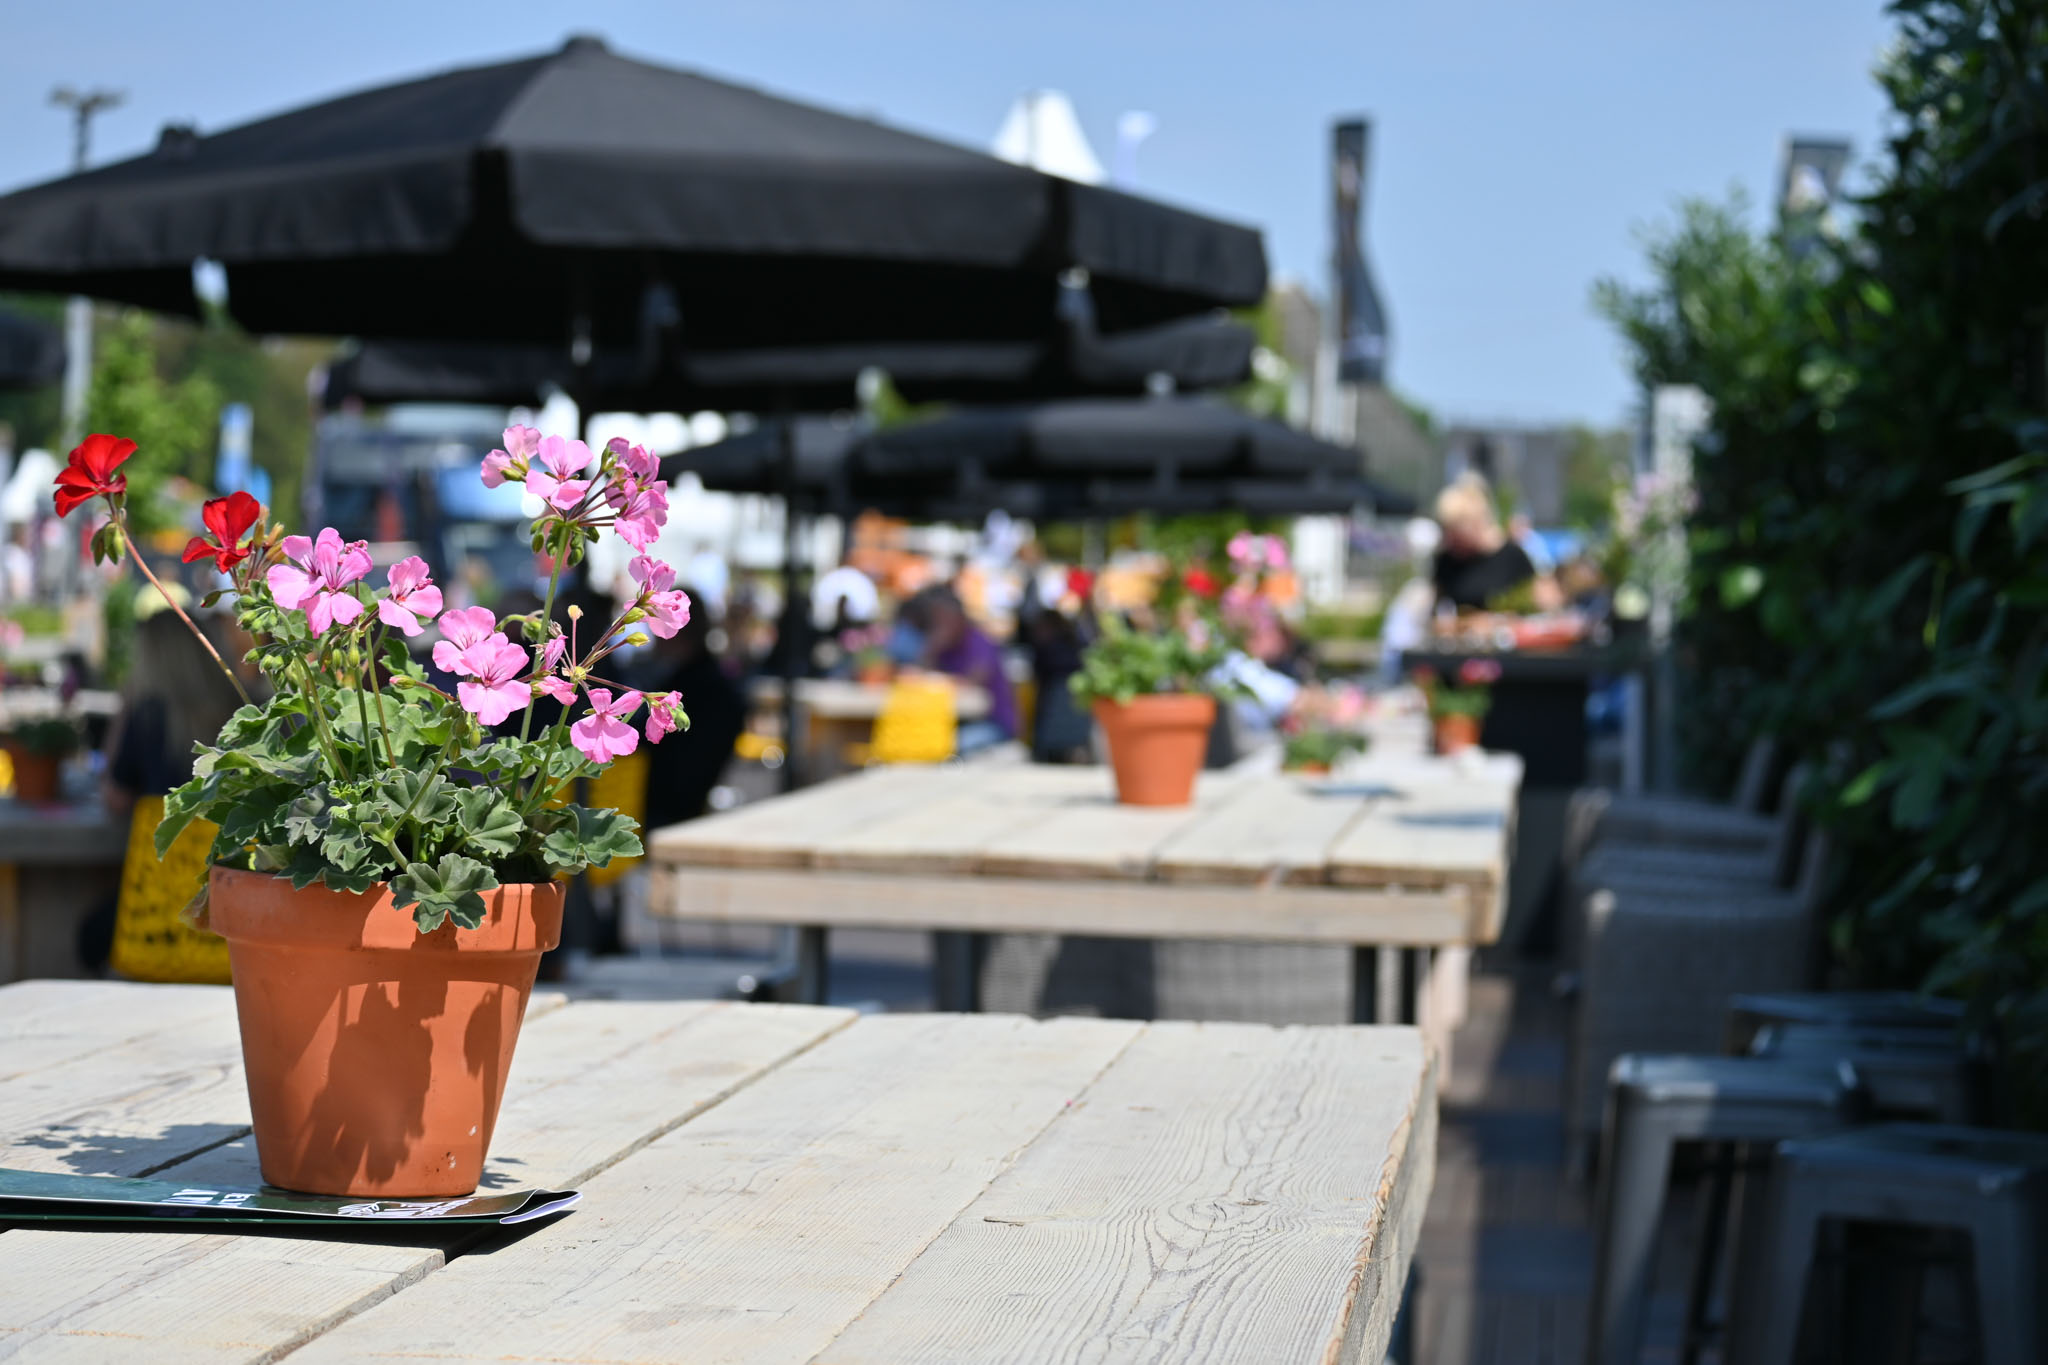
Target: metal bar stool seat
x: 1910, y: 1073
x: 1653, y: 1104
x: 1750, y: 1011
x: 1991, y: 1184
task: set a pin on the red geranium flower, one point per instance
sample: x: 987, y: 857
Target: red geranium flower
x: 1199, y: 582
x: 91, y: 471
x: 229, y: 519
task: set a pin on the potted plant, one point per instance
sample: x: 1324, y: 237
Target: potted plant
x: 1317, y: 750
x: 1154, y: 695
x: 1456, y: 710
x: 38, y: 749
x: 389, y: 862
x: 867, y: 652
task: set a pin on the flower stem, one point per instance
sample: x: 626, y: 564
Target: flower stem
x: 135, y: 553
x: 383, y: 717
x: 547, y: 615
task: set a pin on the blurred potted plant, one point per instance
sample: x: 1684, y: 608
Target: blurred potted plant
x: 390, y: 856
x: 1457, y: 710
x: 867, y: 653
x: 1317, y: 750
x: 1154, y: 695
x: 38, y: 748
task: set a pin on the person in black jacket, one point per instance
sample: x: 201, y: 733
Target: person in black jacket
x: 684, y: 767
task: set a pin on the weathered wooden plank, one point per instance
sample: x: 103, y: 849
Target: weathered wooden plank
x: 784, y: 831
x: 51, y: 1023
x: 1280, y: 829
x: 591, y: 1084
x: 1095, y: 836
x: 947, y: 835
x: 1224, y: 1193
x: 1395, y: 916
x: 1438, y: 826
x: 757, y: 1232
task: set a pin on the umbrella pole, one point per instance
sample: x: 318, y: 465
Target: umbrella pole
x: 794, y: 635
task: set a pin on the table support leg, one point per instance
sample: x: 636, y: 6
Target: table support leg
x: 956, y: 971
x: 1365, y: 984
x: 813, y: 964
x: 1387, y: 985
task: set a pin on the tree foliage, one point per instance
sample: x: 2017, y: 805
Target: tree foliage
x: 1870, y: 552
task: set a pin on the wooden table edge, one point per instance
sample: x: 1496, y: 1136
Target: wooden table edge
x: 1336, y: 916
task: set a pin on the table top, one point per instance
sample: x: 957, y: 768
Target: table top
x: 1396, y: 849
x: 846, y: 699
x: 761, y: 1184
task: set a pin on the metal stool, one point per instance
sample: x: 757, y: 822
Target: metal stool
x: 1653, y: 1104
x: 1992, y: 1185
x: 1838, y: 1009
x: 1910, y: 1073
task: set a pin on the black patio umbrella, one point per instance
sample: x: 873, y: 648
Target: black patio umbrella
x: 579, y: 197
x: 31, y: 351
x: 1187, y: 354
x: 1071, y: 460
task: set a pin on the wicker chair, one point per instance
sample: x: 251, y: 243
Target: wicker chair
x: 1661, y: 957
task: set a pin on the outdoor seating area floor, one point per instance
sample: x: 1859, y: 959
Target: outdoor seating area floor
x: 1506, y: 1255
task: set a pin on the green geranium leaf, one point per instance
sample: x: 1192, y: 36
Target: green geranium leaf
x: 590, y: 838
x: 488, y: 821
x: 450, y: 889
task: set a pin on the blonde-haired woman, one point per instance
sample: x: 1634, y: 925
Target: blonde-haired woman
x: 1476, y: 561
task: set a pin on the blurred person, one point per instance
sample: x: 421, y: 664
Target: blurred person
x: 683, y: 769
x: 1477, y: 562
x: 18, y: 565
x: 1522, y: 531
x: 176, y: 697
x: 954, y: 645
x: 1061, y: 728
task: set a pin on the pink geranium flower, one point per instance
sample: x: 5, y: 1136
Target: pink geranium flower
x: 461, y: 629
x: 638, y: 461
x: 667, y: 607
x: 317, y: 579
x: 521, y: 444
x: 413, y: 597
x: 495, y: 685
x: 603, y: 735
x: 662, y: 710
x: 641, y: 509
x: 560, y: 460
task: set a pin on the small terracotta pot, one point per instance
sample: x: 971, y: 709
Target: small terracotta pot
x: 1455, y: 732
x: 376, y: 1055
x: 1156, y: 745
x: 37, y: 777
x: 875, y: 673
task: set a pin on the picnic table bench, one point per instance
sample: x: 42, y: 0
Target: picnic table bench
x: 1391, y: 856
x: 762, y: 1184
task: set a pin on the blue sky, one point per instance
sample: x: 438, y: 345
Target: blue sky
x: 1518, y: 147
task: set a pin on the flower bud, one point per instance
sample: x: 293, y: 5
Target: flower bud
x: 637, y: 638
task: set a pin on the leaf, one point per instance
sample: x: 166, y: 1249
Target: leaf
x: 590, y: 838
x: 1865, y: 784
x: 1990, y: 478
x: 450, y: 889
x: 1739, y: 586
x: 181, y: 808
x: 489, y: 822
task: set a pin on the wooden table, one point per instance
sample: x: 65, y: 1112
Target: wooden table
x: 1404, y: 854
x: 763, y: 1184
x: 57, y: 864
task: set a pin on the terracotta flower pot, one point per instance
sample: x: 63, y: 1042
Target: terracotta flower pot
x: 1156, y: 745
x: 376, y: 1055
x: 37, y: 777
x: 1455, y: 732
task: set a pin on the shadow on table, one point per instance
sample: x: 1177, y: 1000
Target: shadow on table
x: 131, y: 1154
